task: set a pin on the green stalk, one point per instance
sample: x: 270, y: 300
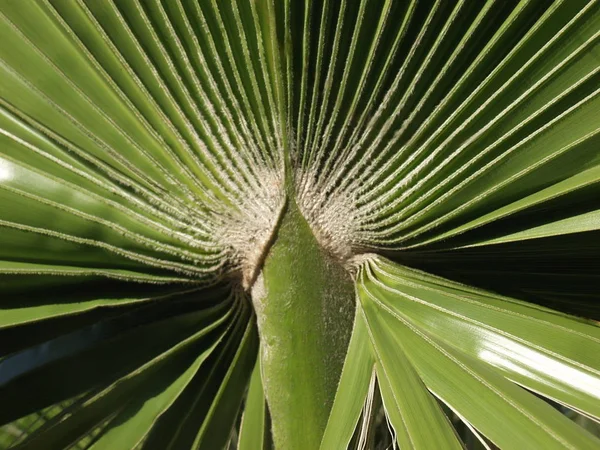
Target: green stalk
x: 304, y: 302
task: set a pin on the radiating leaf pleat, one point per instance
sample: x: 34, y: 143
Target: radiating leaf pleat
x: 99, y: 353
x: 538, y: 348
x: 227, y: 401
x: 138, y: 128
x: 471, y: 112
x: 139, y: 395
x: 475, y: 350
x: 185, y: 421
x: 31, y: 314
x: 577, y: 184
x: 352, y: 390
x: 18, y: 273
x: 255, y: 433
x: 139, y: 419
x: 414, y: 413
x: 577, y: 224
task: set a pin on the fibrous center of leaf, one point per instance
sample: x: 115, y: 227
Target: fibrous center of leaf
x: 250, y: 229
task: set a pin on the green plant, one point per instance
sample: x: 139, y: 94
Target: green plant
x: 300, y: 223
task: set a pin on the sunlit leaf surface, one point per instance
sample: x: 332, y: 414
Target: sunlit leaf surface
x: 296, y: 224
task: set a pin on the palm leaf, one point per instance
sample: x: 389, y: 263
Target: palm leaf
x: 326, y: 218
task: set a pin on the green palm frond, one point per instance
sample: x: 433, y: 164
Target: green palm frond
x: 299, y: 224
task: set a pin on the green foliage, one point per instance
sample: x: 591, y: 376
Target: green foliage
x: 295, y: 224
